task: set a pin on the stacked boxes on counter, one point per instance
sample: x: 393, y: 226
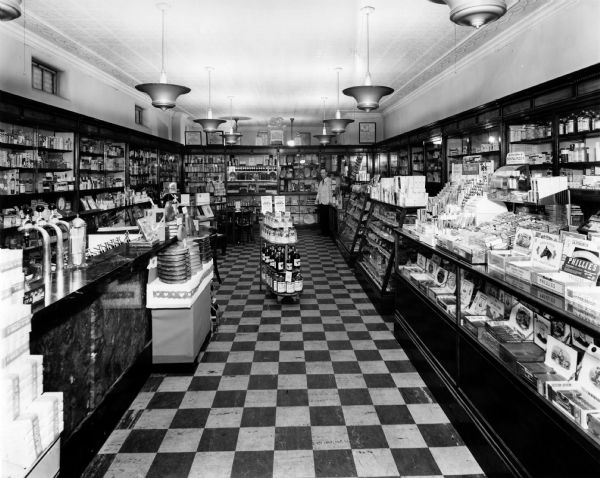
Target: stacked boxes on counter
x: 26, y: 412
x: 404, y: 191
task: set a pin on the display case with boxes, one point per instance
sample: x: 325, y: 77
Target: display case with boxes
x: 512, y: 335
x: 27, y: 411
x: 352, y: 225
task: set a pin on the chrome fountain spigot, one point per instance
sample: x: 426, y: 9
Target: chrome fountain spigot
x: 66, y: 227
x: 60, y: 247
x: 46, y: 252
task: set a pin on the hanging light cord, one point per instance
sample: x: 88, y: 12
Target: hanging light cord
x: 209, y: 86
x: 163, y: 73
x: 338, y: 89
x: 368, y: 78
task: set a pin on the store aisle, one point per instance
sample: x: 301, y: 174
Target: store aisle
x: 316, y: 389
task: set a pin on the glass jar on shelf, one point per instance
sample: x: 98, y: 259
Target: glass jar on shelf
x: 570, y: 124
x: 584, y: 122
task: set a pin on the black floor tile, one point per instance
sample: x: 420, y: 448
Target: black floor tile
x: 293, y: 438
x: 355, y: 396
x: 258, y: 417
x: 306, y: 336
x: 415, y: 461
x: 346, y: 367
x: 394, y: 415
x: 98, y: 466
x: 229, y: 398
x: 266, y: 356
x: 218, y: 439
x: 291, y: 345
x: 143, y: 441
x: 334, y: 327
x: 440, y: 434
x: 292, y: 398
x: 317, y: 356
x: 321, y: 381
x: 152, y: 383
x: 339, y: 345
x: 268, y: 336
x: 289, y: 368
x: 400, y: 366
x: 248, y: 329
x: 379, y: 380
x: 326, y: 416
x: 387, y: 344
x: 171, y: 465
x: 166, y: 400
x: 291, y: 327
x: 333, y: 463
x: 190, y: 418
x: 262, y: 382
x: 247, y: 346
x: 252, y: 464
x: 368, y: 436
x: 215, y: 357
x: 204, y: 383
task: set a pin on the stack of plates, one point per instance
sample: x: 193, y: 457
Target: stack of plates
x: 205, y: 250
x: 195, y: 258
x: 174, y: 265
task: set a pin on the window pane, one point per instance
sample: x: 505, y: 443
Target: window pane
x: 36, y: 77
x: 48, y: 81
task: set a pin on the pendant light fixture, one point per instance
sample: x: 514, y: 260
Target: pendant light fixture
x: 209, y: 124
x: 10, y: 10
x: 367, y: 96
x: 163, y: 94
x: 324, y: 138
x: 474, y: 13
x: 232, y: 136
x: 338, y: 125
x: 291, y: 142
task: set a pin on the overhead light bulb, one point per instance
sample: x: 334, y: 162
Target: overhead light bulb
x: 162, y: 94
x: 324, y: 138
x: 338, y: 125
x: 10, y: 10
x: 368, y: 96
x: 209, y: 125
x: 474, y: 13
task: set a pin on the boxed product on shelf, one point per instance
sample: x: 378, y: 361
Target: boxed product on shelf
x: 514, y: 354
x: 545, y: 257
x: 577, y: 398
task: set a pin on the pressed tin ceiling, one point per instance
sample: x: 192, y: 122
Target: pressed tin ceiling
x: 276, y: 57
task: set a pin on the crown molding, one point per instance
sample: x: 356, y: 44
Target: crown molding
x: 38, y: 43
x: 500, y: 41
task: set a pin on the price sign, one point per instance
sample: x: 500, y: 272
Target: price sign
x: 185, y: 200
x: 288, y: 276
x: 238, y: 205
x: 279, y: 203
x: 266, y: 204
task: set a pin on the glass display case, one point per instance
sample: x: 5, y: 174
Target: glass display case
x: 143, y: 167
x: 169, y: 169
x: 101, y: 164
x: 354, y: 217
x: 466, y: 151
x: 531, y: 143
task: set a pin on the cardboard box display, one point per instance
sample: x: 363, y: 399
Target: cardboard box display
x: 499, y: 258
x: 475, y: 324
x: 545, y: 257
x: 541, y: 331
x: 578, y: 398
x: 522, y: 352
x: 521, y: 320
x: 555, y: 282
x: 537, y: 374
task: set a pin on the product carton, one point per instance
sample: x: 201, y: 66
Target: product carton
x: 518, y: 353
x: 499, y: 258
x: 545, y: 257
x: 578, y: 398
x: 475, y: 324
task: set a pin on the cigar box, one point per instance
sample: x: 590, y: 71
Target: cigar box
x: 578, y: 398
x: 499, y: 258
x: 475, y: 324
x: 523, y: 352
x: 537, y: 374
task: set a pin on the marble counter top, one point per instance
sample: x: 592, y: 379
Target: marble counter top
x: 74, y: 284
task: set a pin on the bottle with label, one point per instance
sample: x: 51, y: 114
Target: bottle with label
x: 296, y: 259
x: 290, y: 286
x: 280, y: 260
x: 275, y: 282
x: 298, y: 283
x: 281, y: 284
x: 289, y: 260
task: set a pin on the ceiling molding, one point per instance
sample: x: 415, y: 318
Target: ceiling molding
x: 37, y: 43
x: 546, y: 9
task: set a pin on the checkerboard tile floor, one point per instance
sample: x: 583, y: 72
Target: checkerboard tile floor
x: 315, y: 389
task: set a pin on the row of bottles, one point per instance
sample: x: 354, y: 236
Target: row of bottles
x: 269, y: 161
x: 290, y: 283
x: 276, y: 258
x: 583, y: 122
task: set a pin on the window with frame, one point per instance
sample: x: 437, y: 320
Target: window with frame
x: 139, y: 115
x: 44, y: 77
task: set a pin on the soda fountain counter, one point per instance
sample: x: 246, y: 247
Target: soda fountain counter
x: 93, y: 329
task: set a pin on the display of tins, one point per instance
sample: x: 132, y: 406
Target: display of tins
x: 174, y: 265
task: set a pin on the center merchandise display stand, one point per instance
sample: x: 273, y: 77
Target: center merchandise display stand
x: 280, y: 263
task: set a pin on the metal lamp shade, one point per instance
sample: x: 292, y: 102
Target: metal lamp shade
x: 324, y: 139
x: 10, y: 9
x: 367, y: 97
x: 338, y: 125
x: 475, y: 13
x: 232, y: 138
x: 209, y: 125
x: 163, y: 95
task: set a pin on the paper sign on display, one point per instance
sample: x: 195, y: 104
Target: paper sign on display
x: 279, y: 203
x: 185, y: 200
x: 266, y: 204
x: 238, y: 205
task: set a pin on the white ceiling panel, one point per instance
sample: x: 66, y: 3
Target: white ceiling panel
x: 276, y: 57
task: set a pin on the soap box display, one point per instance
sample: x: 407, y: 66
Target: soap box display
x: 578, y: 398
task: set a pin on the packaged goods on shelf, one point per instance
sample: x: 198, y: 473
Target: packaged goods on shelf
x: 545, y: 257
x: 578, y: 398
